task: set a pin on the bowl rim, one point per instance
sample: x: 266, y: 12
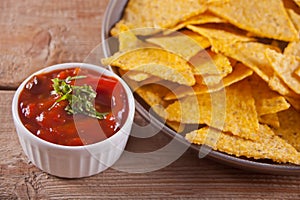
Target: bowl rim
x: 102, y: 70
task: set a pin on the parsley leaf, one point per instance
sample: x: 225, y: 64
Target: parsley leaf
x: 80, y: 98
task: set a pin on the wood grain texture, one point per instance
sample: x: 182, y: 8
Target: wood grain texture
x: 37, y: 33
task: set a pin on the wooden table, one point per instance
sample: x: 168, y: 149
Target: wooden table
x: 35, y: 34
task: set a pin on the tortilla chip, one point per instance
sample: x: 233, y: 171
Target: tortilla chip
x: 293, y: 48
x: 232, y: 61
x: 277, y: 44
x: 297, y: 71
x: 262, y: 18
x: 266, y: 100
x: 203, y: 18
x: 252, y: 55
x: 162, y: 15
x: 270, y: 119
x: 240, y: 48
x: 137, y: 79
x: 276, y: 84
x: 295, y: 17
x: 224, y: 34
x: 179, y: 44
x: 237, y: 109
x: 210, y: 63
x: 128, y: 40
x: 269, y: 147
x: 153, y: 95
x: 295, y: 102
x: 284, y: 66
x: 176, y: 126
x: 202, y: 41
x: 138, y: 76
x: 239, y: 73
x: 201, y: 108
x: 134, y: 75
x: 289, y: 128
x: 211, y: 80
x: 157, y: 62
x: 211, y: 67
x: 297, y: 2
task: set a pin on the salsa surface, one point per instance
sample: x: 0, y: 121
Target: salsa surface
x: 48, y: 119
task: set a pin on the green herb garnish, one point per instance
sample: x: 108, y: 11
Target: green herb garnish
x: 80, y: 98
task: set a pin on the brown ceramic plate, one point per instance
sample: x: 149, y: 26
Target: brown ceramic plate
x: 113, y: 13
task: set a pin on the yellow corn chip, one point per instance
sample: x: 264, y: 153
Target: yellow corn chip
x: 238, y: 107
x: 128, y: 40
x: 158, y: 14
x: 210, y: 63
x: 266, y: 100
x: 202, y: 41
x: 295, y: 16
x: 157, y: 62
x: 295, y: 102
x: 138, y: 76
x: 240, y: 72
x: 203, y: 18
x: 153, y: 95
x: 233, y: 61
x: 269, y: 147
x: 276, y: 44
x: 260, y: 17
x: 270, y: 119
x: 297, y: 71
x: 224, y: 34
x: 289, y: 128
x: 211, y: 80
x: 134, y: 75
x: 276, y: 84
x: 179, y: 44
x: 239, y: 48
x: 293, y: 48
x: 201, y: 109
x: 177, y: 126
x: 252, y: 55
x: 142, y: 78
x: 297, y: 2
x: 216, y: 1
x: 284, y: 66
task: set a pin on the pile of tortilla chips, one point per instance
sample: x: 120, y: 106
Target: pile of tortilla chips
x: 231, y: 69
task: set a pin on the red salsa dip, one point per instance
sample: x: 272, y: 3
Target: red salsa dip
x: 60, y: 118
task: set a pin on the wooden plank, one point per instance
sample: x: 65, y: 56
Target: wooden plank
x: 35, y: 34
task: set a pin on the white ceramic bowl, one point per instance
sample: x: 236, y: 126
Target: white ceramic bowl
x: 73, y: 161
